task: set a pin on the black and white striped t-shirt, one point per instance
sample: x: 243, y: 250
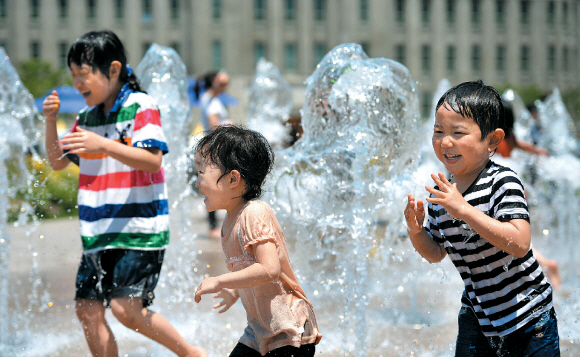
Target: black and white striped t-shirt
x: 505, y: 292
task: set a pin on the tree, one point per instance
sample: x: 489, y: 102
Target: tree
x: 38, y: 76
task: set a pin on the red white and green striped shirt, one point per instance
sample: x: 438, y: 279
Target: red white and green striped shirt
x: 119, y: 206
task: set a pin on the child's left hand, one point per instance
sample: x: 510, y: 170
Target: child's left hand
x: 83, y: 141
x: 228, y: 296
x: 208, y: 286
x: 447, y: 196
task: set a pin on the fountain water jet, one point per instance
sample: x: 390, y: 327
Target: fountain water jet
x: 269, y: 104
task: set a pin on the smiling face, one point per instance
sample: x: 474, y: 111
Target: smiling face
x: 95, y: 87
x: 216, y: 193
x: 458, y: 144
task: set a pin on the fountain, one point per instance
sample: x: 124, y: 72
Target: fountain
x: 18, y: 119
x: 339, y: 193
x: 269, y: 104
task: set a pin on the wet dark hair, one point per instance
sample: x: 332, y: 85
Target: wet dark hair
x: 204, y: 82
x: 476, y: 101
x: 98, y: 49
x: 236, y: 148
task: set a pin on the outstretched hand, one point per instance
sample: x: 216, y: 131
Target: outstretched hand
x: 447, y: 196
x: 414, y: 215
x: 208, y: 286
x: 51, y: 106
x: 83, y: 141
x: 229, y: 298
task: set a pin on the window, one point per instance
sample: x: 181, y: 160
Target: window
x: 565, y: 15
x: 34, y: 8
x: 216, y: 52
x: 565, y: 59
x: 147, y: 11
x: 119, y: 9
x: 476, y: 58
x: 62, y: 55
x: 551, y: 13
x: 426, y: 59
x: 319, y: 52
x: 35, y: 49
x: 62, y: 8
x: 174, y: 11
x: 176, y: 47
x: 525, y: 12
x: 364, y: 10
x: 400, y: 54
x: 319, y: 10
x: 216, y: 9
x: 259, y: 9
x: 426, y: 12
x: 500, y: 12
x: 91, y: 9
x: 259, y: 51
x: 451, y: 59
x: 475, y: 12
x: 145, y: 47
x: 450, y: 13
x: 2, y: 8
x: 426, y: 98
x: 290, y: 57
x: 400, y: 11
x: 500, y: 57
x: 290, y: 9
x: 366, y: 47
x: 525, y: 58
x: 551, y: 60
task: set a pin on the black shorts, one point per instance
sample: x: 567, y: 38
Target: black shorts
x: 242, y: 350
x: 113, y: 273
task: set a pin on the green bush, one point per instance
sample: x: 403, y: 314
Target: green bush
x: 52, y: 193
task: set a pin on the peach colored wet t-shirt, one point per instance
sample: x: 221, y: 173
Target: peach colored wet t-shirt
x: 278, y: 312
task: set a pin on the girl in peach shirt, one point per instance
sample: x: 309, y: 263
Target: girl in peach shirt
x: 233, y: 164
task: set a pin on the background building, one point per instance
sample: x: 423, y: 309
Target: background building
x: 515, y: 42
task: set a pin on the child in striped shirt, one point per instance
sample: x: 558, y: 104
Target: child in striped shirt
x: 479, y: 217
x: 118, y: 143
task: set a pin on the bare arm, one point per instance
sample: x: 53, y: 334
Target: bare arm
x: 84, y: 141
x: 531, y: 148
x: 266, y: 269
x: 513, y: 237
x: 213, y: 120
x: 423, y: 243
x: 50, y: 109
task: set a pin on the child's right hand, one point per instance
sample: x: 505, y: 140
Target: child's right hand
x: 51, y: 106
x: 414, y: 215
x: 228, y: 296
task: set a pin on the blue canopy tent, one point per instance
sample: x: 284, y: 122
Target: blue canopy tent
x: 71, y: 100
x: 226, y: 99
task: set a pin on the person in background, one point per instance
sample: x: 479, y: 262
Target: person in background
x: 213, y: 114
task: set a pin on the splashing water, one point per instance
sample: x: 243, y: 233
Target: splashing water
x: 340, y: 190
x: 269, y: 104
x: 18, y: 135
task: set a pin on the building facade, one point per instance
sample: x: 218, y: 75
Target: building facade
x: 516, y: 42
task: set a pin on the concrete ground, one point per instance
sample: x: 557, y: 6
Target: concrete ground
x: 42, y: 271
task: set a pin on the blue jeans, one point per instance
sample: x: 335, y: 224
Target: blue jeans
x: 539, y: 339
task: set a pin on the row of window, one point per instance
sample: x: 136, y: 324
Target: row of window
x: 500, y: 10
x: 320, y: 49
x: 91, y: 8
x: 476, y: 57
x: 319, y: 10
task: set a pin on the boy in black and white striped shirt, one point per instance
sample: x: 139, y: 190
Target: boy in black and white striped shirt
x: 480, y: 218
